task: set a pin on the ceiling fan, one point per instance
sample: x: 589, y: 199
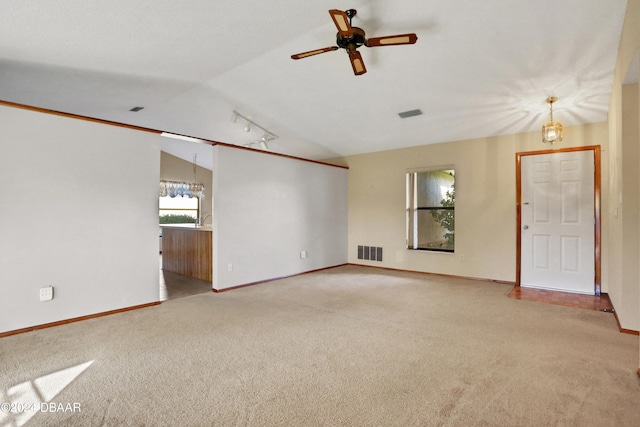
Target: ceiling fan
x: 351, y: 38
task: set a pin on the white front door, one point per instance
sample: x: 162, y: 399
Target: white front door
x: 558, y: 222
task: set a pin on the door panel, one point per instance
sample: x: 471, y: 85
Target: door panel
x: 557, y: 220
x: 570, y: 254
x: 540, y: 202
x: 541, y: 252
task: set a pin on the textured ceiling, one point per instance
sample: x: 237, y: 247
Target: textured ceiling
x: 478, y: 69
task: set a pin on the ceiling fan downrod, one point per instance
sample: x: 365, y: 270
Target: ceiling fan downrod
x: 350, y: 14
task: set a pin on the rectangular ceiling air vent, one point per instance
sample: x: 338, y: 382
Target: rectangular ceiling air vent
x: 136, y: 109
x: 410, y: 113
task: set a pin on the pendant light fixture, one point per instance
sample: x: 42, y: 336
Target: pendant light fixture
x: 552, y: 131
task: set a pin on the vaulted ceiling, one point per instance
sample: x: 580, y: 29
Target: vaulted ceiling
x: 478, y: 69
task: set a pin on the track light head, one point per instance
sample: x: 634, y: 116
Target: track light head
x: 266, y: 136
x: 263, y: 141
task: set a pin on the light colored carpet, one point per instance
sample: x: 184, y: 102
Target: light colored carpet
x: 350, y: 346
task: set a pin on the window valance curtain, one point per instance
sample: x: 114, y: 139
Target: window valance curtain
x: 184, y: 189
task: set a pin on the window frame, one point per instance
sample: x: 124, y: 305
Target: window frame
x: 412, y: 210
x: 198, y: 205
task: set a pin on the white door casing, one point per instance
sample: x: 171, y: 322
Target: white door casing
x: 558, y: 221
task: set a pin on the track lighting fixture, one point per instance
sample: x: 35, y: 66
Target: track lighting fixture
x: 266, y: 137
x: 263, y: 142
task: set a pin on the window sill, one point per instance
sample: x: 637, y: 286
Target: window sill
x: 446, y: 251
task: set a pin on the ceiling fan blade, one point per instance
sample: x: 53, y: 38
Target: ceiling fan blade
x: 341, y: 20
x: 391, y: 40
x: 314, y: 52
x: 356, y: 62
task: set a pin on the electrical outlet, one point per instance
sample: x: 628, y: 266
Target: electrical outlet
x: 303, y: 254
x: 229, y: 267
x: 46, y: 294
x: 461, y: 258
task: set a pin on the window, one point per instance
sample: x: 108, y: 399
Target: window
x: 178, y: 209
x: 180, y: 202
x: 431, y: 197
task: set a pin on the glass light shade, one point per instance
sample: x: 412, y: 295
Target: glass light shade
x: 552, y: 132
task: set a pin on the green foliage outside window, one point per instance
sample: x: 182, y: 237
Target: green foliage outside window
x: 446, y: 218
x: 431, y: 199
x: 177, y: 219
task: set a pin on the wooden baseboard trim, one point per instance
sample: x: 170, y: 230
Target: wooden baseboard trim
x: 275, y: 278
x: 503, y: 282
x: 76, y: 319
x: 623, y: 330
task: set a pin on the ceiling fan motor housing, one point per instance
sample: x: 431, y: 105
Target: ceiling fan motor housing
x: 356, y: 38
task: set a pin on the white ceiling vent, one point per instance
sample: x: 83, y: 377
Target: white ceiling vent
x: 410, y: 113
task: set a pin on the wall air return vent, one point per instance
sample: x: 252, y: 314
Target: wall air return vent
x: 372, y: 253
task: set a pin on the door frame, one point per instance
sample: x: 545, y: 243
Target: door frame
x: 596, y: 207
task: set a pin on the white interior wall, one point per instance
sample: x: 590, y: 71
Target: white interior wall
x: 267, y: 209
x: 79, y: 212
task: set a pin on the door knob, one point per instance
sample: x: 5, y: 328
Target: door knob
x: 526, y: 227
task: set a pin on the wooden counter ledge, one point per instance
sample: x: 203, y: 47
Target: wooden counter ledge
x: 186, y: 249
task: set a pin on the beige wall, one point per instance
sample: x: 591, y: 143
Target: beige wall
x: 173, y: 168
x: 629, y: 217
x: 485, y: 201
x: 622, y: 290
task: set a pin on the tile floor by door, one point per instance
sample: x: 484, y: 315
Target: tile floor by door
x: 567, y: 299
x: 174, y: 285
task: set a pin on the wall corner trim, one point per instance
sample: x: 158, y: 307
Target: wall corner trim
x: 231, y: 288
